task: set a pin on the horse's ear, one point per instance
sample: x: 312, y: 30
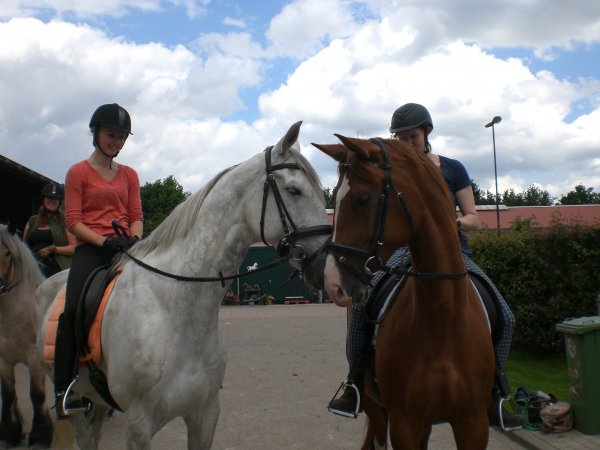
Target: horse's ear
x: 11, y: 227
x: 355, y: 145
x: 336, y: 151
x: 291, y: 137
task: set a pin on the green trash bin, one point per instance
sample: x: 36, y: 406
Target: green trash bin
x: 582, y: 343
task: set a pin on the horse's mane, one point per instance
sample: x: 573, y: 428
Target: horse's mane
x: 434, y: 188
x: 25, y: 264
x: 179, y: 222
x: 182, y: 218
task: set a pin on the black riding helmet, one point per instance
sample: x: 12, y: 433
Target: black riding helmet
x: 409, y: 116
x: 111, y: 115
x: 53, y: 190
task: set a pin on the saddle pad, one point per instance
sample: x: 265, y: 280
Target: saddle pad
x: 94, y: 341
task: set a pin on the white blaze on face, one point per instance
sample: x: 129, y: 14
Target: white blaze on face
x: 332, y: 275
x: 342, y: 190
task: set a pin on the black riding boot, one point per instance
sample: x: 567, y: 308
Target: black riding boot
x: 65, y: 354
x: 500, y: 416
x: 349, y: 403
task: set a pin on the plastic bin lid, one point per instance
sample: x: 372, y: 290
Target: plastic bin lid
x: 580, y: 325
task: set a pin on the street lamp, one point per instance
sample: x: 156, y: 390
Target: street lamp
x: 494, y: 121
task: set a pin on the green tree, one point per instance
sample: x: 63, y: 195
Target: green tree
x: 159, y: 199
x: 482, y: 197
x: 532, y: 196
x: 328, y: 193
x: 581, y: 196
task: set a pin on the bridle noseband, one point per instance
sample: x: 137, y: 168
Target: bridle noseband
x: 372, y: 256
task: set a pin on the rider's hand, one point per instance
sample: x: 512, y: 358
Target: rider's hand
x: 116, y: 244
x: 132, y: 240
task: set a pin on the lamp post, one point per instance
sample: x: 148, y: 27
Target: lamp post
x: 494, y: 121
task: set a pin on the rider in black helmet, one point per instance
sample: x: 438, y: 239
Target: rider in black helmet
x: 46, y: 235
x: 412, y: 124
x: 98, y: 194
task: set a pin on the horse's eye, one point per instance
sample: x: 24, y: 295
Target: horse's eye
x: 293, y: 190
x: 363, y: 199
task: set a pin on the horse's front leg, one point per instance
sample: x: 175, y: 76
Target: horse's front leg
x: 11, y: 423
x: 201, y: 426
x: 41, y: 428
x: 88, y: 427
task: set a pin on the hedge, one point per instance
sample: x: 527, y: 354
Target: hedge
x: 546, y: 276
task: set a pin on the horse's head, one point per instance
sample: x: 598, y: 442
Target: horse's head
x: 293, y: 216
x: 379, y: 206
x: 16, y: 261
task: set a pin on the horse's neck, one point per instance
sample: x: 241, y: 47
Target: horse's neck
x: 435, y: 248
x: 220, y: 237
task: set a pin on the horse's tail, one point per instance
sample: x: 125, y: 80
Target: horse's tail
x: 64, y: 435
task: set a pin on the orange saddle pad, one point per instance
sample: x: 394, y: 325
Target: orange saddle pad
x: 94, y: 342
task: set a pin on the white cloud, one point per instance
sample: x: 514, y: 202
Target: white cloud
x: 352, y: 66
x: 300, y: 28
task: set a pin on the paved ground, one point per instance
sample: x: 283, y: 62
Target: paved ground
x: 285, y: 363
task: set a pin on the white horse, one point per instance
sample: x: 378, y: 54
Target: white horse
x: 19, y: 278
x: 161, y: 347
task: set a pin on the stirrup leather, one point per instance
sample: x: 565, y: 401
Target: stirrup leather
x: 514, y: 409
x: 66, y: 412
x: 346, y: 385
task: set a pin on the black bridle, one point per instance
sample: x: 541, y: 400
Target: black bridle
x: 288, y: 247
x: 372, y: 256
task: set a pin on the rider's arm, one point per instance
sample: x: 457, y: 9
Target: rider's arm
x: 466, y: 203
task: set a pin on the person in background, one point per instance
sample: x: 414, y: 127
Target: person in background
x: 46, y: 235
x: 412, y: 123
x: 100, y: 196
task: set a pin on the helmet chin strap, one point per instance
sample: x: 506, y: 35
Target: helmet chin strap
x: 105, y: 154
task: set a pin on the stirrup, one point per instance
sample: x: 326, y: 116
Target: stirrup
x: 346, y: 385
x: 510, y: 401
x: 67, y: 412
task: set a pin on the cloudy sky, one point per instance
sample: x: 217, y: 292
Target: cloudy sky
x: 210, y: 82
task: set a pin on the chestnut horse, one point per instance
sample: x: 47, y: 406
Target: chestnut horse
x: 434, y: 360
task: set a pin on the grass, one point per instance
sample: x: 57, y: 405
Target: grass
x: 538, y: 373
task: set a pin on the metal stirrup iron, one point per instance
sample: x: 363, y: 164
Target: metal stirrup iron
x: 84, y: 409
x: 501, y: 417
x: 346, y: 385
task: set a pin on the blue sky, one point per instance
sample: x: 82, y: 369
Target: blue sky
x: 209, y: 83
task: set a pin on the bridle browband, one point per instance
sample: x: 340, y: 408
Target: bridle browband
x: 372, y: 256
x: 288, y: 247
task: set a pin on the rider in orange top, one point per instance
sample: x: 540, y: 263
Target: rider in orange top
x: 98, y: 193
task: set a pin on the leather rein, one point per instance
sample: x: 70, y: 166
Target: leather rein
x: 288, y: 247
x: 372, y: 257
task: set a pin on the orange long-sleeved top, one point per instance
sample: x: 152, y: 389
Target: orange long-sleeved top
x: 94, y: 201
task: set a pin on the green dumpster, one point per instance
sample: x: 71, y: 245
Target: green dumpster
x: 582, y: 343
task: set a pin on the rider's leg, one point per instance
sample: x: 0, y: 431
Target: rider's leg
x: 506, y: 325
x: 85, y: 260
x: 359, y: 335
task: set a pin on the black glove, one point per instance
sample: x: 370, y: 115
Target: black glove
x: 132, y: 240
x: 116, y: 244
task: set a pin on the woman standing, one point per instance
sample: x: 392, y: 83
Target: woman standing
x: 99, y: 193
x: 46, y: 235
